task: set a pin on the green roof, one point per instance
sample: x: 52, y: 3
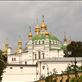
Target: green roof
x: 52, y: 37
x: 38, y: 37
x: 63, y: 47
x: 42, y: 36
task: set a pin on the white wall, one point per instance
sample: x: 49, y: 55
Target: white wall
x: 27, y: 74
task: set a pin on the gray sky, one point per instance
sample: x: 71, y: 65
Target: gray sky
x: 60, y: 17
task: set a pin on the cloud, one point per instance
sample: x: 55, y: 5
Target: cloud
x: 60, y: 17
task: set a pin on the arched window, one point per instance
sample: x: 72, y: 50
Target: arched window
x: 39, y: 55
x: 50, y: 41
x: 43, y: 42
x: 43, y: 55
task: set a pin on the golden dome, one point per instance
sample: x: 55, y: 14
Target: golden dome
x: 37, y: 28
x: 30, y: 34
x: 19, y: 42
x: 43, y: 25
x: 47, y: 33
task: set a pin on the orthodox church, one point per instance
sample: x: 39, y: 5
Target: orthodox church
x: 42, y: 55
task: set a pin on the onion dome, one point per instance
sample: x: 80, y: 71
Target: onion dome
x: 47, y: 33
x: 43, y: 25
x: 20, y: 44
x: 19, y: 49
x: 30, y: 34
x: 37, y: 29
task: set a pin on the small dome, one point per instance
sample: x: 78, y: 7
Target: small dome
x: 43, y: 25
x: 37, y: 28
x: 30, y: 34
x: 47, y: 33
x: 19, y: 42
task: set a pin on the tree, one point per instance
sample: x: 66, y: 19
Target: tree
x: 2, y: 65
x: 79, y: 79
x: 75, y: 47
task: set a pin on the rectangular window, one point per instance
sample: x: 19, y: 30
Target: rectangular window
x: 10, y: 67
x: 21, y: 67
x: 12, y: 59
x: 35, y: 56
x: 25, y: 62
x: 43, y: 55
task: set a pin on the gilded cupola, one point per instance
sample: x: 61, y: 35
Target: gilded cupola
x: 37, y: 28
x: 19, y: 49
x: 43, y: 25
x: 30, y: 34
x: 20, y: 43
x: 65, y: 38
x: 46, y: 33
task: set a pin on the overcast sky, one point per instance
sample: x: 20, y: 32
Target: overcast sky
x: 60, y: 17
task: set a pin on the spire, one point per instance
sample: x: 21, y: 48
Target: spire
x: 37, y: 28
x: 43, y: 18
x: 30, y: 33
x: 69, y: 40
x: 65, y: 39
x: 36, y: 19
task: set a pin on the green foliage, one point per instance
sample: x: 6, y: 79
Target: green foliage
x: 71, y: 69
x: 75, y: 48
x: 2, y: 65
x: 79, y: 79
x: 74, y: 80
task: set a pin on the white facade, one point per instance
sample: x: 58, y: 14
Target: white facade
x: 42, y: 54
